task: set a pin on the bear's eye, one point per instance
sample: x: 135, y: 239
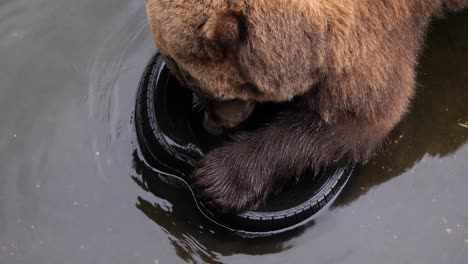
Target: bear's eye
x: 174, y: 68
x: 170, y: 63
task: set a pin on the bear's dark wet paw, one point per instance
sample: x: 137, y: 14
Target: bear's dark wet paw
x: 226, y: 181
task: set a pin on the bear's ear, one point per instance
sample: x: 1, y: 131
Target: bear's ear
x: 225, y: 30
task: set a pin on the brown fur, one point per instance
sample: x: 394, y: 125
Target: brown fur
x: 351, y: 63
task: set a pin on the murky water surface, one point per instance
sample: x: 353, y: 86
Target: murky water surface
x: 69, y: 192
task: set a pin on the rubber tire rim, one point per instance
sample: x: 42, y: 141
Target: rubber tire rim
x: 170, y: 161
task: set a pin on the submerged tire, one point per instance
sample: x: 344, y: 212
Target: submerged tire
x: 171, y: 141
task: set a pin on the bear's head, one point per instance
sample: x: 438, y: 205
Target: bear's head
x: 233, y: 54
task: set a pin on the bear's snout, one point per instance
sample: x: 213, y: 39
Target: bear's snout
x: 221, y: 115
x: 211, y: 126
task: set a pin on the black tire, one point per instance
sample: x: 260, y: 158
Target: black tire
x: 170, y: 143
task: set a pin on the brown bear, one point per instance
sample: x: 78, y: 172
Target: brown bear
x: 350, y: 65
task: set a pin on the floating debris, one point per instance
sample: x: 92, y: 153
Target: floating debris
x: 464, y: 125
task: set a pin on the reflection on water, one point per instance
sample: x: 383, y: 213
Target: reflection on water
x: 194, y: 238
x: 71, y: 191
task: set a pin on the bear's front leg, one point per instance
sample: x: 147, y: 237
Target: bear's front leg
x: 347, y: 118
x: 242, y: 174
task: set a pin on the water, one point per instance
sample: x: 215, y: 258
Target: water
x: 69, y: 191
